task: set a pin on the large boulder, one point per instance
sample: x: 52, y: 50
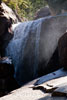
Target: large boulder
x: 30, y: 92
x: 62, y: 48
x: 43, y: 12
x: 33, y: 47
x: 7, y: 17
x: 57, y: 6
x: 5, y: 30
x: 7, y: 81
x: 9, y: 13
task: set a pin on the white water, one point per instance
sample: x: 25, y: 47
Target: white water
x: 26, y: 35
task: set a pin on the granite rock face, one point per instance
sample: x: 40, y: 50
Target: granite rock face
x: 57, y: 6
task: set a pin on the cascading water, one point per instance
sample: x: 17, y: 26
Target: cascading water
x: 34, y: 42
x: 26, y: 37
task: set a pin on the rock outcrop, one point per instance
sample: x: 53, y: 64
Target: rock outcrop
x: 9, y: 13
x: 5, y: 30
x: 43, y: 12
x: 34, y: 45
x: 6, y: 66
x: 7, y: 18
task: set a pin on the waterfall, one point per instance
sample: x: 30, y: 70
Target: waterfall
x: 26, y: 37
x: 33, y: 44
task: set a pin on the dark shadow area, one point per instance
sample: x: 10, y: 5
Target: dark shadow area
x: 53, y: 98
x: 7, y: 80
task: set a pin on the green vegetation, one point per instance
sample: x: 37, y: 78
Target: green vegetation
x: 25, y: 8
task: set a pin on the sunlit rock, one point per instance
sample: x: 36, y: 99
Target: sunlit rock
x: 8, y: 13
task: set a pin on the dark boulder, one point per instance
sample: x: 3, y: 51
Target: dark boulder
x: 6, y: 67
x: 5, y: 34
x: 7, y: 81
x: 62, y: 48
x: 5, y: 31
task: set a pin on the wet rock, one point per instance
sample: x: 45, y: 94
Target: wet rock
x: 51, y: 76
x: 62, y: 49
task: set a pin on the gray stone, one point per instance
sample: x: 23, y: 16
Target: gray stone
x: 43, y: 12
x: 27, y: 93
